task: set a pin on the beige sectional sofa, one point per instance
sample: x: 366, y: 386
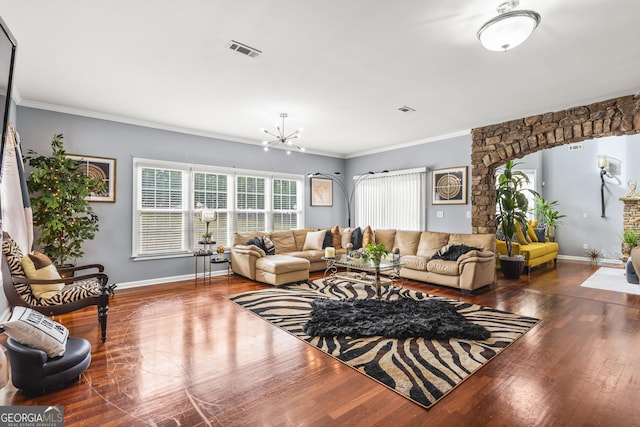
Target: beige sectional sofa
x: 470, y: 271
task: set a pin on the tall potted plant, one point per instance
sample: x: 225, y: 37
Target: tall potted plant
x: 59, y: 191
x: 549, y: 215
x: 512, y: 209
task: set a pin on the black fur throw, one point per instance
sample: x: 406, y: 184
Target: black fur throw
x: 402, y: 318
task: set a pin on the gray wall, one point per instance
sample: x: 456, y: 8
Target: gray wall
x: 88, y: 136
x: 446, y: 153
x: 570, y: 177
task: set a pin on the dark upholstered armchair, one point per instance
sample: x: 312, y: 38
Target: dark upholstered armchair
x: 79, y: 291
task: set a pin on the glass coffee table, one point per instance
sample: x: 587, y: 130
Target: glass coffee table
x: 364, y: 272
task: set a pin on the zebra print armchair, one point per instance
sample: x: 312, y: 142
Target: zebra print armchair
x: 81, y: 288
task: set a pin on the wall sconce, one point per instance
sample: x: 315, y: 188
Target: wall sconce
x: 602, y: 164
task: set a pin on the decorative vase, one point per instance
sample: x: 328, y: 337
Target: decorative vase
x: 512, y: 267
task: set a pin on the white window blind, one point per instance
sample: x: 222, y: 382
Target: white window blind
x: 285, y: 204
x: 210, y: 191
x: 162, y: 211
x: 169, y: 198
x: 391, y: 200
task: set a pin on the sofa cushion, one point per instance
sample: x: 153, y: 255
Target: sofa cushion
x: 311, y: 256
x: 430, y: 242
x: 279, y: 264
x: 485, y: 241
x: 300, y: 235
x: 520, y: 236
x: 328, y: 239
x: 284, y: 241
x: 243, y: 238
x: 453, y: 252
x: 407, y: 242
x: 540, y: 234
x: 36, y: 330
x: 38, y: 266
x: 531, y: 234
x: 414, y: 262
x: 386, y: 237
x: 444, y: 267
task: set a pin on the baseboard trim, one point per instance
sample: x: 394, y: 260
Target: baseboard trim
x: 161, y: 280
x: 587, y: 259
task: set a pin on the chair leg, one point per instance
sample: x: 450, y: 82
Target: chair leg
x: 103, y: 312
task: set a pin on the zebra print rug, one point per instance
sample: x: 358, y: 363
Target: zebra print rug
x: 419, y: 369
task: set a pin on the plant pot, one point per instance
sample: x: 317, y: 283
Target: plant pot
x: 625, y: 248
x: 512, y: 267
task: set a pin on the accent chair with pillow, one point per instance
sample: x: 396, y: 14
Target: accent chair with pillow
x: 32, y: 281
x: 41, y: 355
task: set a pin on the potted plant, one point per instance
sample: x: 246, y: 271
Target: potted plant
x: 512, y: 209
x: 630, y: 239
x: 549, y: 215
x: 375, y: 252
x: 58, y: 191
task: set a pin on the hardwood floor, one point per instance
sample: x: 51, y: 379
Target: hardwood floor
x: 184, y: 355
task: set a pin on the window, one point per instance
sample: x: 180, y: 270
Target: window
x: 285, y: 204
x: 169, y: 198
x: 391, y: 200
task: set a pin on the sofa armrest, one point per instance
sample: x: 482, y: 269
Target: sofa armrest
x: 243, y: 260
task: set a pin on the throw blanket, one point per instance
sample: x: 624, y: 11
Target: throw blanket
x: 453, y: 252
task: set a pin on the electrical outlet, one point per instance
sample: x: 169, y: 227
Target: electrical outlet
x: 440, y: 214
x: 585, y: 246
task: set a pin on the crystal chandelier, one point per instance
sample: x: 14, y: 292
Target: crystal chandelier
x: 509, y: 29
x: 281, y: 137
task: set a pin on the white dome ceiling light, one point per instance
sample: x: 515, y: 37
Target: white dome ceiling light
x: 509, y: 29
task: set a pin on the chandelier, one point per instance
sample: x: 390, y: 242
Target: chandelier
x: 281, y: 137
x: 509, y: 29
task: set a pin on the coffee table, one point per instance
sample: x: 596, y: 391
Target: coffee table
x: 365, y: 272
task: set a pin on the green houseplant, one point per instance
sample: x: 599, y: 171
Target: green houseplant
x: 549, y: 216
x: 512, y: 209
x: 375, y: 252
x: 58, y: 191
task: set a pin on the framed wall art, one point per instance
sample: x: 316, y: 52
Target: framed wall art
x: 321, y: 191
x: 449, y: 186
x: 102, y: 168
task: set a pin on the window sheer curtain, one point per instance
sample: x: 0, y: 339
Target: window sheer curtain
x: 392, y: 200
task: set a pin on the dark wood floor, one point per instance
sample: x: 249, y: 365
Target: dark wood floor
x: 181, y: 355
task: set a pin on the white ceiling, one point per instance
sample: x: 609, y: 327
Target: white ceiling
x: 339, y: 68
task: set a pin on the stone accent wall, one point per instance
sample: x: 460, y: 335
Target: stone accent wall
x: 631, y: 213
x: 493, y: 145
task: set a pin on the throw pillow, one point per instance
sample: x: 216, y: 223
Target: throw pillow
x: 35, y: 330
x: 269, y: 247
x: 345, y: 234
x: 328, y: 239
x: 38, y: 266
x: 540, y: 234
x: 367, y: 236
x: 13, y: 255
x: 314, y: 240
x: 257, y: 241
x: 337, y: 238
x: 453, y: 252
x: 531, y: 234
x: 520, y: 235
x: 356, y: 238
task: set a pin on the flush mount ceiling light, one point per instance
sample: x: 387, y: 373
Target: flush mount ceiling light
x: 509, y: 29
x: 281, y: 137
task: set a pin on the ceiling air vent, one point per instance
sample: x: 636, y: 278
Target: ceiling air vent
x: 406, y: 109
x: 243, y: 49
x: 575, y: 147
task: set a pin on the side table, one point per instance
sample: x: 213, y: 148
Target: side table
x: 206, y: 265
x: 221, y: 259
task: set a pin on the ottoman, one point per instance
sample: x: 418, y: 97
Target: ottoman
x: 33, y: 372
x: 280, y: 269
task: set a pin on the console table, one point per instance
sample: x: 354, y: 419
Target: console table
x: 366, y: 272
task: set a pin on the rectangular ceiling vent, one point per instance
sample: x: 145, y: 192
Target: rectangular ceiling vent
x: 243, y: 49
x: 406, y: 109
x: 575, y: 147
